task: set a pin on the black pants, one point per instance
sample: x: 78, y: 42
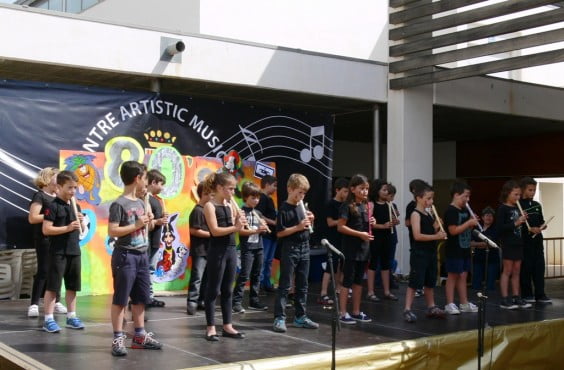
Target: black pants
x: 198, y: 280
x: 40, y: 277
x: 222, y: 267
x: 532, y: 269
x: 251, y: 264
x: 294, y: 260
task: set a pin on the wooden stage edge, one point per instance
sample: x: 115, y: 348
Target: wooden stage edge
x: 528, y: 345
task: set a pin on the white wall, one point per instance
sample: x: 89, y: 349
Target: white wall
x: 356, y: 28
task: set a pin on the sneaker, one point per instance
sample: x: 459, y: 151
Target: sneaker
x: 258, y: 306
x: 305, y: 322
x: 451, y: 309
x: 435, y: 313
x: 468, y: 307
x: 544, y: 299
x: 521, y: 303
x: 325, y: 300
x: 145, y: 341
x: 409, y: 316
x: 529, y: 299
x: 118, y: 346
x: 237, y: 308
x: 347, y: 319
x: 60, y: 308
x: 419, y: 292
x: 390, y: 297
x: 75, y: 323
x: 51, y: 326
x: 191, y: 308
x: 201, y: 306
x: 33, y: 311
x: 507, y: 304
x: 373, y: 298
x: 279, y: 325
x: 361, y: 317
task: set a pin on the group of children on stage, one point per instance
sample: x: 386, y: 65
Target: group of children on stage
x: 361, y: 221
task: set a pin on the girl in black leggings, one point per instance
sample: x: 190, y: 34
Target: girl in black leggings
x: 223, y: 220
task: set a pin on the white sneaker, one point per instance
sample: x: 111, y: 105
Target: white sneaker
x: 451, y: 309
x: 60, y: 308
x: 33, y: 311
x: 468, y: 307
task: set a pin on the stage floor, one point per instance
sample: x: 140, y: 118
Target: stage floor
x: 185, y: 346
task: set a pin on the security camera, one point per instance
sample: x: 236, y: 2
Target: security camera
x: 177, y: 47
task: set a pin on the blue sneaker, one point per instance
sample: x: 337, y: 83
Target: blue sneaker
x: 305, y: 322
x: 347, y: 319
x: 75, y: 323
x: 51, y: 326
x: 279, y: 325
x: 361, y: 317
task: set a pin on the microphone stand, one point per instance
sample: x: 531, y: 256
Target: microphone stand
x: 482, y: 301
x: 336, y: 312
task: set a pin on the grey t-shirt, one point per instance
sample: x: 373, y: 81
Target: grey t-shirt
x: 126, y: 212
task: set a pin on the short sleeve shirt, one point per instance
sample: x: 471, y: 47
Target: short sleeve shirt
x: 124, y: 211
x: 60, y: 214
x: 197, y: 220
x: 458, y: 246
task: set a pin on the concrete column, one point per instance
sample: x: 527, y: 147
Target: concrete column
x: 409, y: 151
x: 376, y: 144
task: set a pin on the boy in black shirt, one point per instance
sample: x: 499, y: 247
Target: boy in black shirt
x: 251, y: 251
x: 292, y: 231
x: 532, y: 267
x: 63, y: 226
x: 199, y: 242
x: 458, y: 224
x: 266, y: 207
x: 156, y: 182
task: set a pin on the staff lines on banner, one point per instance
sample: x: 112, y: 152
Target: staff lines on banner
x: 329, y: 149
x: 20, y: 159
x: 272, y: 157
x: 274, y: 117
x: 289, y: 148
x: 14, y: 192
x: 14, y: 205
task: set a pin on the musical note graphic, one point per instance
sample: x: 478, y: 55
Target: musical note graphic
x: 250, y: 138
x: 305, y: 154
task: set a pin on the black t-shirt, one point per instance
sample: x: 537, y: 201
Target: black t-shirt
x: 408, y: 210
x: 426, y: 227
x: 381, y: 213
x: 288, y: 216
x: 253, y: 241
x: 266, y: 207
x: 535, y: 218
x: 224, y: 217
x: 458, y: 246
x: 509, y: 234
x: 61, y: 214
x: 355, y: 249
x: 480, y: 253
x: 155, y: 234
x: 44, y: 199
x: 332, y: 210
x: 197, y: 220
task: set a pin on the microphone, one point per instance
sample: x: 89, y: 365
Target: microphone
x: 484, y: 238
x: 332, y: 248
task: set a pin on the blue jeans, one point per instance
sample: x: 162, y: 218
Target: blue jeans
x: 294, y: 260
x: 198, y: 280
x: 269, y: 247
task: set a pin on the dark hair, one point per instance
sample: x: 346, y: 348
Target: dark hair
x: 526, y: 181
x: 391, y: 189
x: 130, y: 170
x: 506, y: 189
x: 156, y: 176
x: 488, y: 210
x: 212, y: 180
x: 421, y: 189
x: 200, y: 189
x: 340, y: 183
x: 356, y: 180
x: 416, y: 183
x: 64, y: 176
x: 459, y: 187
x: 375, y: 189
x: 250, y: 189
x: 267, y: 180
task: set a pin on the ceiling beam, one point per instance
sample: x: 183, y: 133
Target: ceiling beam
x: 403, y: 16
x: 509, y: 64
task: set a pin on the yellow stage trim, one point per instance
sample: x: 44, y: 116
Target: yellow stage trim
x: 534, y: 345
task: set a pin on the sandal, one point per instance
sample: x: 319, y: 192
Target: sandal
x: 156, y: 303
x: 391, y: 297
x: 325, y: 300
x: 373, y: 298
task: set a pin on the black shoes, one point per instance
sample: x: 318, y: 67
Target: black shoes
x: 237, y: 335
